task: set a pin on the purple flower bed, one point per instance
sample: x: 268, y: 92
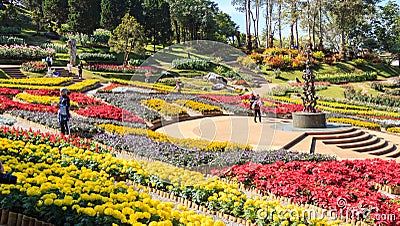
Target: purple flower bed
x: 172, y: 154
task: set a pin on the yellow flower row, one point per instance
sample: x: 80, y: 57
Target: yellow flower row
x: 199, y: 144
x: 197, y: 106
x: 165, y: 88
x: 36, y: 81
x: 61, y: 187
x: 46, y: 100
x: 79, y: 86
x: 393, y: 130
x: 358, y: 123
x: 164, y: 107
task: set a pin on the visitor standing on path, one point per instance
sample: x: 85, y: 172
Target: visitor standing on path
x: 257, y: 108
x: 63, y: 112
x: 178, y: 87
x: 252, y: 100
x: 80, y: 68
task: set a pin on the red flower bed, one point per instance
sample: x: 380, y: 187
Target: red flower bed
x: 221, y: 98
x: 109, y: 112
x: 43, y: 92
x: 78, y: 98
x: 280, y: 108
x: 7, y: 104
x: 8, y: 91
x: 324, y: 183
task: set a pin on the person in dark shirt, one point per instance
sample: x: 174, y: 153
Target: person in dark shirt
x: 63, y: 112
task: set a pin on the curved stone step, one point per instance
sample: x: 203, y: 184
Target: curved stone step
x: 344, y: 141
x: 355, y: 133
x: 357, y: 142
x: 317, y: 133
x: 371, y: 148
x: 395, y: 153
x: 387, y: 149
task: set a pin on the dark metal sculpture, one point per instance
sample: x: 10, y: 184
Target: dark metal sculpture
x: 309, y: 98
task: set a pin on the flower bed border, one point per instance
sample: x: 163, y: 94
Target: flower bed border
x: 20, y: 219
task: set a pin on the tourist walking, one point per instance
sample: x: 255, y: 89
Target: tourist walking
x: 63, y: 112
x: 257, y: 108
x: 80, y: 68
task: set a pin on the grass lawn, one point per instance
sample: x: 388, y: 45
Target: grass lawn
x: 334, y: 91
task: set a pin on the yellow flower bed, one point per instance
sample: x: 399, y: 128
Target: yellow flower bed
x: 197, y: 106
x: 56, y: 185
x: 393, y: 130
x: 46, y: 100
x: 203, y: 145
x: 166, y: 88
x: 37, y: 81
x: 76, y: 87
x: 164, y: 107
x: 75, y: 184
x: 358, y: 123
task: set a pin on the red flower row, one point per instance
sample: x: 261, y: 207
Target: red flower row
x: 324, y: 183
x: 109, y: 112
x: 8, y: 91
x: 221, y: 98
x: 7, y: 104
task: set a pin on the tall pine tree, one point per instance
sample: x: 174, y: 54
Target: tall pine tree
x: 111, y: 13
x: 84, y: 15
x: 55, y: 10
x: 157, y: 21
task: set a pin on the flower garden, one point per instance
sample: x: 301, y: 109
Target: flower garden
x: 80, y: 178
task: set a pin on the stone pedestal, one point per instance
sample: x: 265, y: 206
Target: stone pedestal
x: 309, y: 120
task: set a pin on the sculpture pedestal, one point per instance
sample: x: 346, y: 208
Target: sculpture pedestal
x: 309, y: 120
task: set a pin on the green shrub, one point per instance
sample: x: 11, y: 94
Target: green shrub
x: 11, y: 40
x: 231, y: 74
x: 191, y: 64
x: 96, y: 57
x: 319, y: 55
x: 10, y: 30
x: 346, y: 78
x: 136, y: 62
x: 377, y: 86
x: 360, y: 62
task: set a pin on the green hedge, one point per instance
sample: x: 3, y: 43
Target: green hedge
x: 97, y: 57
x: 11, y: 40
x: 191, y: 64
x: 346, y: 78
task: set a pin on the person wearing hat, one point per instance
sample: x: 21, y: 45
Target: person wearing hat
x: 63, y: 111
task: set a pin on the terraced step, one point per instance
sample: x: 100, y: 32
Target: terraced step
x: 373, y: 147
x: 361, y: 138
x: 387, y: 149
x: 341, y: 131
x: 351, y: 134
x: 356, y: 142
x: 394, y: 154
x: 14, y: 72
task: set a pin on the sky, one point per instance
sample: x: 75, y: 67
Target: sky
x: 239, y: 18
